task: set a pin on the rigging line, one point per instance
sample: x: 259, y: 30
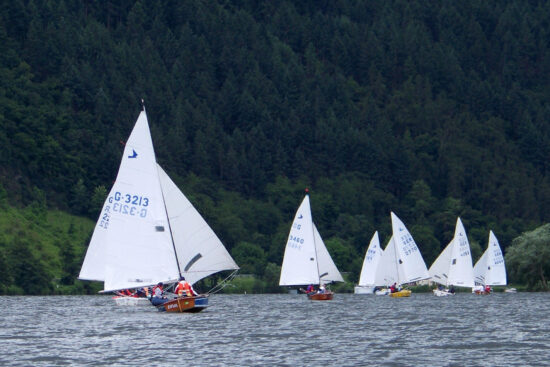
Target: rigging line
x: 218, y: 287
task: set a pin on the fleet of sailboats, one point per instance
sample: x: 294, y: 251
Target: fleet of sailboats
x: 148, y: 232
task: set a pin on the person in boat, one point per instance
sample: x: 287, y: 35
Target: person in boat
x: 310, y: 289
x: 452, y: 289
x: 322, y: 288
x: 184, y: 288
x: 488, y: 289
x: 393, y: 288
x: 125, y: 293
x: 158, y: 297
x: 141, y: 293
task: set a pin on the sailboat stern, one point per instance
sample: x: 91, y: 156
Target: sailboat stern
x: 185, y: 304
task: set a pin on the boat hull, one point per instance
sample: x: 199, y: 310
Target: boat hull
x: 131, y: 301
x: 401, y: 293
x: 185, y: 304
x: 321, y: 296
x: 359, y: 289
x: 442, y: 293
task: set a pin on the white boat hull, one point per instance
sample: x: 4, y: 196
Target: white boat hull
x: 442, y: 293
x: 132, y: 301
x: 359, y: 289
x: 382, y: 292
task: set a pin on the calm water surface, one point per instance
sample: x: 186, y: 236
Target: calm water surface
x: 284, y: 330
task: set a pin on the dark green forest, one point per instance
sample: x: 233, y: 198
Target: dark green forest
x: 432, y: 110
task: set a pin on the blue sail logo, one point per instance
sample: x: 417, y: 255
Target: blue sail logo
x: 134, y: 154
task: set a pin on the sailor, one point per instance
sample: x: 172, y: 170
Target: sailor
x: 184, y: 288
x: 322, y: 288
x: 310, y: 289
x: 157, y: 290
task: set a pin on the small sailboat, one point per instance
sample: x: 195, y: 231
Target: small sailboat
x: 306, y: 260
x: 490, y: 269
x: 453, y: 267
x: 149, y: 233
x: 367, y: 279
x: 401, y: 261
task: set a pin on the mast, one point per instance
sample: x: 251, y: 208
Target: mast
x: 165, y: 209
x: 314, y: 243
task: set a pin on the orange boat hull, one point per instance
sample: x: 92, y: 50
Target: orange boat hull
x: 321, y: 296
x: 185, y: 304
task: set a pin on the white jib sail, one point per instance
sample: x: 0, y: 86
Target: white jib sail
x: 409, y: 259
x: 300, y: 259
x: 328, y: 272
x: 199, y: 251
x: 131, y: 244
x: 480, y: 269
x: 439, y: 271
x: 387, y: 272
x: 370, y: 262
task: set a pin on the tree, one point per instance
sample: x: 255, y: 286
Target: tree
x: 528, y: 258
x: 250, y: 257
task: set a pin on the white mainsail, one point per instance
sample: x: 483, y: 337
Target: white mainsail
x: 490, y: 269
x: 371, y: 262
x: 410, y: 264
x: 454, y: 265
x: 306, y: 259
x: 132, y: 244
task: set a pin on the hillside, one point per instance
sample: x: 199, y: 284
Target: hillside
x: 430, y: 110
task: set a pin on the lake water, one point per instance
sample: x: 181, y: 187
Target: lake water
x: 283, y: 330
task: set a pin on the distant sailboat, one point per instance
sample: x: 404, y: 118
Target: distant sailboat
x: 490, y: 269
x: 401, y: 261
x: 148, y: 232
x: 306, y: 260
x: 367, y: 279
x: 453, y: 267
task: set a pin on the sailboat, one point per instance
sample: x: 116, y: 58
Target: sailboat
x: 148, y: 232
x: 453, y: 267
x: 490, y: 268
x: 306, y: 260
x: 401, y: 261
x: 367, y: 279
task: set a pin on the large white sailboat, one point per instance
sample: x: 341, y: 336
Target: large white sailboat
x: 490, y: 269
x: 401, y: 261
x: 306, y: 260
x: 148, y: 232
x: 367, y: 279
x: 453, y: 267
